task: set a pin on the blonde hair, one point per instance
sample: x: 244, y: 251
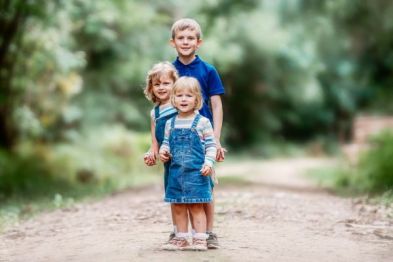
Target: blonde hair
x: 191, y: 84
x: 158, y: 70
x: 186, y: 23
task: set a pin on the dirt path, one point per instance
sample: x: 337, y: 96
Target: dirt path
x: 266, y: 211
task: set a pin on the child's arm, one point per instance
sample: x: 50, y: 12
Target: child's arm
x: 165, y: 148
x: 151, y: 156
x: 217, y: 122
x: 210, y: 147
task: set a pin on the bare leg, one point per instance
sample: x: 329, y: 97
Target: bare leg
x: 198, y: 217
x: 191, y: 220
x: 181, y: 217
x: 173, y: 216
x: 209, y: 210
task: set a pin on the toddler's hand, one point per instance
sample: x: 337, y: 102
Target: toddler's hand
x: 206, y: 170
x: 164, y: 156
x: 150, y: 159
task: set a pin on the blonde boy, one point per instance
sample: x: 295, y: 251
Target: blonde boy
x: 186, y: 39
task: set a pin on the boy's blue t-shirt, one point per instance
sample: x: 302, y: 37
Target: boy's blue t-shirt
x: 208, y: 78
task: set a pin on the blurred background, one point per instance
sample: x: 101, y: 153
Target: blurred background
x: 74, y: 121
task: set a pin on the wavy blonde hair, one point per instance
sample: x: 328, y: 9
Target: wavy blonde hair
x: 191, y: 84
x: 158, y: 70
x: 186, y: 23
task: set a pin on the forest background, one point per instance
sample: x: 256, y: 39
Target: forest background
x: 74, y: 121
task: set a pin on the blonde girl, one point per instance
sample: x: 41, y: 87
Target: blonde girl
x: 190, y: 146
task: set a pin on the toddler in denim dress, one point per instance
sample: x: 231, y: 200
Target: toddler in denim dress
x: 190, y: 147
x: 159, y: 84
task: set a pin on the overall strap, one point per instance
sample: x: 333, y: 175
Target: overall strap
x: 173, y: 122
x: 156, y: 112
x: 195, y: 122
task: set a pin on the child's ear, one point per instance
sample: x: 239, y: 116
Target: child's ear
x: 199, y: 43
x: 172, y: 43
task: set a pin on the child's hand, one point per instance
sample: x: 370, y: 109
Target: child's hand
x: 165, y: 156
x: 149, y: 158
x: 220, y: 155
x: 206, y: 170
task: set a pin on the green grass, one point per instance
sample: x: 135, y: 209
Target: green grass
x: 372, y: 175
x: 233, y: 181
x: 37, y: 177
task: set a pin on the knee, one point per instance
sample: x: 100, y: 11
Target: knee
x: 196, y: 208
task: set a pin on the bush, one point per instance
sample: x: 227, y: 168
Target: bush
x: 376, y: 166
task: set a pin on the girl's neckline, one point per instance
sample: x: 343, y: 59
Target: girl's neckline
x: 187, y: 117
x: 164, y: 105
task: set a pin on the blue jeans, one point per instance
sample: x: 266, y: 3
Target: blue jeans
x: 159, y: 132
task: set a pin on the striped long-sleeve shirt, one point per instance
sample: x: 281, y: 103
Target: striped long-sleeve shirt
x: 164, y: 110
x: 205, y: 132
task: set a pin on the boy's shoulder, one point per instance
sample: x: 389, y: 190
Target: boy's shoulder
x: 207, y: 64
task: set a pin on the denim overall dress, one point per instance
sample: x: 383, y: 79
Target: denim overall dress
x: 160, y: 132
x: 186, y: 184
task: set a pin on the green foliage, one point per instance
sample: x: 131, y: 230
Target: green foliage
x: 294, y: 72
x: 37, y: 177
x: 372, y: 174
x: 375, y: 167
x: 303, y: 74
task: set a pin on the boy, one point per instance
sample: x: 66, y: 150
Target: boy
x: 186, y: 39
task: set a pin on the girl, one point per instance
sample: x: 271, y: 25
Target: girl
x: 190, y: 145
x: 159, y: 83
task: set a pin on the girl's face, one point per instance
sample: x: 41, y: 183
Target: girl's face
x: 162, y: 87
x: 185, y: 101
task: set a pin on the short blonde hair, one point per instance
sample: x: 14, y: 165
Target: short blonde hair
x: 191, y: 84
x: 158, y: 70
x: 186, y: 23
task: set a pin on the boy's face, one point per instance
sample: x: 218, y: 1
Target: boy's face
x: 186, y: 43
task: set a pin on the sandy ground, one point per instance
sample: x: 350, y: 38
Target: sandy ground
x: 272, y: 213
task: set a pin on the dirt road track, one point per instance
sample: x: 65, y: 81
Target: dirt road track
x: 266, y: 211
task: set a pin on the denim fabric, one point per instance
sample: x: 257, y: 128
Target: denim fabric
x: 186, y: 184
x: 159, y: 132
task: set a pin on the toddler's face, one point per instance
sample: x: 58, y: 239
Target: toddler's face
x: 185, y: 101
x: 186, y: 42
x: 162, y: 87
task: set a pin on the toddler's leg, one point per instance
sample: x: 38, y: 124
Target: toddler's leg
x: 179, y: 213
x: 198, y: 217
x: 179, y: 242
x: 199, y: 222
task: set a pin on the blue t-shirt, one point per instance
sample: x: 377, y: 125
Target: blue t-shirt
x: 208, y: 78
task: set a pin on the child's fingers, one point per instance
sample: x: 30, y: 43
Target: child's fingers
x: 164, y: 158
x: 220, y: 154
x: 206, y: 170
